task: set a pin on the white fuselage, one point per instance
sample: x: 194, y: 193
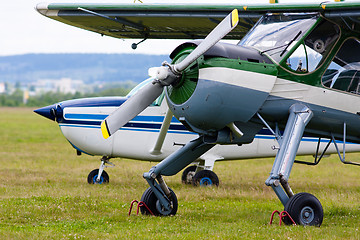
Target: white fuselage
x: 137, y: 139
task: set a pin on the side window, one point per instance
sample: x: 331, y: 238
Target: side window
x: 314, y: 47
x: 344, y: 71
x: 298, y: 60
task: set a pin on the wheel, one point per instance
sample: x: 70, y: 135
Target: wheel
x: 305, y: 209
x: 188, y: 175
x: 150, y: 199
x: 93, y: 176
x: 205, y: 178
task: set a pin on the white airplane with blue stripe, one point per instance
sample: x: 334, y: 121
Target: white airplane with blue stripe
x: 153, y: 135
x: 295, y: 71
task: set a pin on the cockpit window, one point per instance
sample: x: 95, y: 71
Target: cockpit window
x: 138, y: 87
x: 344, y: 71
x: 275, y: 34
x: 315, y: 46
x: 157, y: 101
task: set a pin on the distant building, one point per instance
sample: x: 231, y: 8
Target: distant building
x: 63, y: 85
x: 2, y: 87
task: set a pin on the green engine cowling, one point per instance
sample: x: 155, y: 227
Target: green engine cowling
x: 183, y: 89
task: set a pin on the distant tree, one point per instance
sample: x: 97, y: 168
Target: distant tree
x: 17, y: 85
x: 51, y: 97
x: 12, y: 100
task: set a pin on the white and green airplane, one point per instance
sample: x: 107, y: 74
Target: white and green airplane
x: 294, y: 72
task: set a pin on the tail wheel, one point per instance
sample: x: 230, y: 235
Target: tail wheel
x: 205, y: 178
x: 305, y: 209
x: 92, y: 177
x: 188, y: 175
x: 150, y: 199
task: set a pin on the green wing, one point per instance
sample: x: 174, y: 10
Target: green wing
x: 180, y: 21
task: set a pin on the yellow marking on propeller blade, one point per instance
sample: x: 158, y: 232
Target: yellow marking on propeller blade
x: 104, y: 130
x: 323, y: 6
x: 234, y: 17
x: 245, y: 8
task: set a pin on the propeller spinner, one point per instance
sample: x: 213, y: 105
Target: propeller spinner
x: 164, y: 76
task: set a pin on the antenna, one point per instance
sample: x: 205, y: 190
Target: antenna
x: 134, y: 45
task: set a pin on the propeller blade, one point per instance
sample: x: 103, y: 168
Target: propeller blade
x: 165, y: 76
x: 220, y: 31
x: 131, y: 108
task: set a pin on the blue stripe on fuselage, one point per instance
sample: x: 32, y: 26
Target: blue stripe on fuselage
x: 151, y: 124
x: 100, y: 117
x: 139, y: 123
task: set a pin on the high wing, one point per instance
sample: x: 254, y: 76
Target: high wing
x: 179, y: 21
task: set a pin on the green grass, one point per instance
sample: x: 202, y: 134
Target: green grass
x: 44, y: 194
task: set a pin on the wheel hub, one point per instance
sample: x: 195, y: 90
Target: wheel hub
x: 307, y: 215
x: 96, y: 181
x: 190, y: 176
x: 162, y: 210
x: 205, y: 181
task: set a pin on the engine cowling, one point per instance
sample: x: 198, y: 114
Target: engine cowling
x: 227, y: 84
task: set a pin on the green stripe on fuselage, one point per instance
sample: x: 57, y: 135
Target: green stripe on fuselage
x: 264, y: 68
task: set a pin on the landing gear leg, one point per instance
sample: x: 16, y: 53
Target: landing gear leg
x: 303, y: 208
x: 164, y: 198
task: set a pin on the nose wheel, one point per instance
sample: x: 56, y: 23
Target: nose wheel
x: 93, y: 177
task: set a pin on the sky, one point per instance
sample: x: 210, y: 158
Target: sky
x: 24, y: 30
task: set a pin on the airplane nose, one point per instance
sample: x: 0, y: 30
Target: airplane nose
x: 49, y: 112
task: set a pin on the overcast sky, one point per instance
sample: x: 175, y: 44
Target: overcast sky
x: 24, y: 30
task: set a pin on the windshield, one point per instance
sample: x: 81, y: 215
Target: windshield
x: 275, y: 34
x: 139, y: 86
x: 157, y: 101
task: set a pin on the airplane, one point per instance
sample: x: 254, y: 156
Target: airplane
x: 294, y: 71
x: 153, y: 136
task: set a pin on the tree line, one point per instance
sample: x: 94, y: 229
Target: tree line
x: 16, y: 98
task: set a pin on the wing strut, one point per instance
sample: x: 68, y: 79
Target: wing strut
x: 163, y: 131
x: 342, y: 159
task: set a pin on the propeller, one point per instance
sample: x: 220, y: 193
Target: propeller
x: 164, y: 76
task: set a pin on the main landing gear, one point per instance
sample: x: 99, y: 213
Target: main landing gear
x: 304, y: 208
x: 160, y: 199
x: 99, y: 176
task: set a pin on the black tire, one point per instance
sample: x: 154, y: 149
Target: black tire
x: 93, y: 175
x: 205, y: 178
x: 305, y: 209
x: 150, y: 199
x: 188, y: 175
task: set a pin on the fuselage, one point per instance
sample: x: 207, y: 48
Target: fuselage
x: 285, y: 59
x: 80, y: 119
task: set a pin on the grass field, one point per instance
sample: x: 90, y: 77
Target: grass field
x: 44, y: 194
